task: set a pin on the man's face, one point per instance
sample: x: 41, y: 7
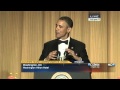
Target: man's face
x: 62, y: 29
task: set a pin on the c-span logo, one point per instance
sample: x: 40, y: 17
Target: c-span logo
x: 94, y: 16
x: 61, y: 75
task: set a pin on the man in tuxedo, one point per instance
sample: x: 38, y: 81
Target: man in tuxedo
x: 64, y: 47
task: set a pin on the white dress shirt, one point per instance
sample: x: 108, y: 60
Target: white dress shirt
x: 62, y: 47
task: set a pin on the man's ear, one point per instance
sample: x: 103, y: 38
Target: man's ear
x: 69, y: 29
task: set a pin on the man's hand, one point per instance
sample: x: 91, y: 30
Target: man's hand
x: 52, y: 55
x: 72, y: 53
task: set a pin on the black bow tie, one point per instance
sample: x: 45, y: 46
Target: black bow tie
x: 59, y: 42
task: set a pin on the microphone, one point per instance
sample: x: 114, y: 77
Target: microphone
x: 61, y: 55
x: 58, y: 55
x: 65, y: 54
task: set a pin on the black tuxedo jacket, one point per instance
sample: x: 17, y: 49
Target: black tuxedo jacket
x: 77, y: 46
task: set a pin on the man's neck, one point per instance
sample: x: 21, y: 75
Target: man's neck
x: 64, y: 38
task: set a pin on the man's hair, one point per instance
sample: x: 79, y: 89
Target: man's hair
x: 68, y: 20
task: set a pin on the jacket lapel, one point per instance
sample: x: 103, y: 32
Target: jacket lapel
x: 55, y: 47
x: 71, y: 45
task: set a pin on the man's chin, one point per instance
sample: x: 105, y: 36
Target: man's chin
x: 58, y: 37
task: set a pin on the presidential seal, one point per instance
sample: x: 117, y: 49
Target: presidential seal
x: 61, y: 75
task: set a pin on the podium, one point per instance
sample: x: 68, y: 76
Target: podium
x: 64, y: 70
x: 74, y: 75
